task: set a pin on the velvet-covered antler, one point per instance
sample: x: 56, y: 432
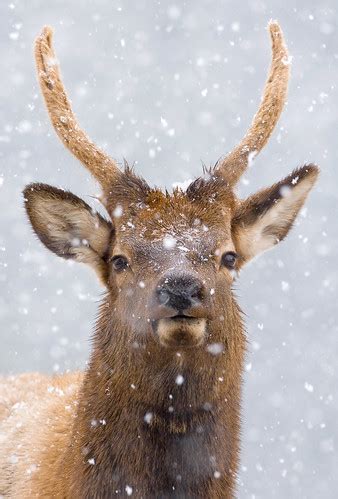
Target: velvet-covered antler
x: 232, y: 166
x: 100, y: 165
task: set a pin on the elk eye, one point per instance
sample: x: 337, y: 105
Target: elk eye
x: 229, y: 259
x: 119, y: 263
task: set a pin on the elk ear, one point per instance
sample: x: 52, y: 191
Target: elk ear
x: 265, y: 218
x: 68, y: 226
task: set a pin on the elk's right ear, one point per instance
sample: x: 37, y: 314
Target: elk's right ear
x: 69, y: 227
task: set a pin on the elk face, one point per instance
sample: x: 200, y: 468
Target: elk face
x: 168, y: 261
x: 167, y: 270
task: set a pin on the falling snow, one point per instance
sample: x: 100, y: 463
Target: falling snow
x: 169, y: 242
x: 188, y: 76
x: 148, y: 417
x: 118, y: 211
x: 129, y: 490
x: 308, y: 387
x: 215, y: 348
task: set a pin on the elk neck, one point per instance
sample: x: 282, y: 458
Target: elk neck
x: 138, y: 424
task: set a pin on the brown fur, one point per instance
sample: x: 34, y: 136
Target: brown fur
x: 36, y: 412
x: 157, y: 412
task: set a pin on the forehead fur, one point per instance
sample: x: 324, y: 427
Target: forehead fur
x: 208, y: 201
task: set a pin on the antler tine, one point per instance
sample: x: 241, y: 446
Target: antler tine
x: 101, y: 166
x: 232, y: 166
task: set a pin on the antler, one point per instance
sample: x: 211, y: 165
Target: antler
x: 232, y: 166
x: 100, y: 165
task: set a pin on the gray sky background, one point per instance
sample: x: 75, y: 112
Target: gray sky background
x: 200, y: 65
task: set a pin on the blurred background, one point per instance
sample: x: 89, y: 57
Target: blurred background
x: 169, y: 85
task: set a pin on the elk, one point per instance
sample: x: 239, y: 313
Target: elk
x: 157, y: 411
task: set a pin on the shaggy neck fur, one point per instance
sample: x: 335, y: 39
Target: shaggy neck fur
x: 138, y: 431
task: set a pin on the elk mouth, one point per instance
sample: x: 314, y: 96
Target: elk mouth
x: 180, y: 330
x: 182, y: 317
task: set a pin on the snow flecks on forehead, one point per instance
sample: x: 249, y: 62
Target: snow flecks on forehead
x: 170, y: 228
x: 160, y: 213
x: 169, y: 242
x: 173, y: 245
x: 192, y: 224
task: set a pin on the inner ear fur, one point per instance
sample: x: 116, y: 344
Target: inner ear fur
x: 265, y: 218
x: 69, y: 227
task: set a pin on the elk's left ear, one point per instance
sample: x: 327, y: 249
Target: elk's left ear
x: 68, y: 227
x: 265, y: 218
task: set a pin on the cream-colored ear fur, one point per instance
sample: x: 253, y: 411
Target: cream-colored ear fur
x: 264, y: 219
x: 69, y: 227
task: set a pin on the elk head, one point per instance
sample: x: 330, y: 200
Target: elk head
x: 168, y: 260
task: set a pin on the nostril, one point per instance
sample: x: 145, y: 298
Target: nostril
x: 197, y: 293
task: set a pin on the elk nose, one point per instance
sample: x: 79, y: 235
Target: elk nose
x: 180, y: 292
